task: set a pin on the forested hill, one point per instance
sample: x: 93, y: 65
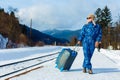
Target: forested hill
x: 17, y: 33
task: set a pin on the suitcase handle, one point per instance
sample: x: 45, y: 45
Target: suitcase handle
x: 76, y: 48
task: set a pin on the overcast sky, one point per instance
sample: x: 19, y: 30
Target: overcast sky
x: 58, y: 14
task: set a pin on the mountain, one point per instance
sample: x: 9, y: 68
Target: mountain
x: 63, y: 34
x: 39, y: 36
x: 11, y: 28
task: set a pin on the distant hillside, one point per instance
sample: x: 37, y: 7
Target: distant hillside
x: 9, y: 25
x: 39, y: 36
x: 19, y: 33
x: 65, y: 34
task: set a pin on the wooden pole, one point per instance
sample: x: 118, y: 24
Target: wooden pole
x: 30, y: 31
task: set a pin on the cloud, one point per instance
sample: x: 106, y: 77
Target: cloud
x: 50, y: 16
x: 62, y: 14
x: 40, y: 14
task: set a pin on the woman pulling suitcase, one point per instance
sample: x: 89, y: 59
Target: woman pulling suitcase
x: 90, y: 36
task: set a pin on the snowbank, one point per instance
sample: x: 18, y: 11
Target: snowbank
x: 3, y: 42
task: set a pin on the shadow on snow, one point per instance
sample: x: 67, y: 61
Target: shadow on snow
x: 98, y: 70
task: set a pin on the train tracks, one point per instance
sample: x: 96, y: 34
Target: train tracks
x: 11, y: 69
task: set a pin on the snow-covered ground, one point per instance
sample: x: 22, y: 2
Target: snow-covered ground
x: 106, y: 64
x: 18, y: 54
x: 114, y: 55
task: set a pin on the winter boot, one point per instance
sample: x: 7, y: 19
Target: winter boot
x: 84, y: 70
x: 90, y: 71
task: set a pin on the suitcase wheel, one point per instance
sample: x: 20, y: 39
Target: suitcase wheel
x: 56, y: 66
x: 61, y: 69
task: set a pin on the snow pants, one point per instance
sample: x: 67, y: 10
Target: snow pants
x: 88, y: 49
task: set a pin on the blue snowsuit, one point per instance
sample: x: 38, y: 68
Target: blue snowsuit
x: 89, y: 34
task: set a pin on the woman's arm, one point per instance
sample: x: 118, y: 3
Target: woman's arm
x: 82, y: 33
x: 99, y: 36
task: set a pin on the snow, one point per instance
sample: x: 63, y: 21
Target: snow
x: 106, y: 64
x: 3, y: 42
x: 18, y: 54
x: 114, y: 55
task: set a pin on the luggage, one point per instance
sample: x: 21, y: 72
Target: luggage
x: 65, y: 59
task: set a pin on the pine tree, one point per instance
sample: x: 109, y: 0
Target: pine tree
x: 104, y: 18
x: 98, y: 14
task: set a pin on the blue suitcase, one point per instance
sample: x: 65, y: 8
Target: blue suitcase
x: 65, y: 59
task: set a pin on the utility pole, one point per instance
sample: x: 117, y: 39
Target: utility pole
x: 30, y: 31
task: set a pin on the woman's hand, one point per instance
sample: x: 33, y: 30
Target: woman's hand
x: 78, y: 42
x: 96, y: 44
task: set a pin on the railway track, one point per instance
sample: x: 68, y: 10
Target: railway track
x: 16, y: 67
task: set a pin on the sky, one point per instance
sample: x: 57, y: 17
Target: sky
x: 58, y: 14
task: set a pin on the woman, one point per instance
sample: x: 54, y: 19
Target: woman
x: 90, y: 36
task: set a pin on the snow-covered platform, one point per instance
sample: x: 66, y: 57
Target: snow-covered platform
x: 104, y: 68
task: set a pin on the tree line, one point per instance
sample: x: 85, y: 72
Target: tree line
x: 11, y: 28
x: 110, y: 30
